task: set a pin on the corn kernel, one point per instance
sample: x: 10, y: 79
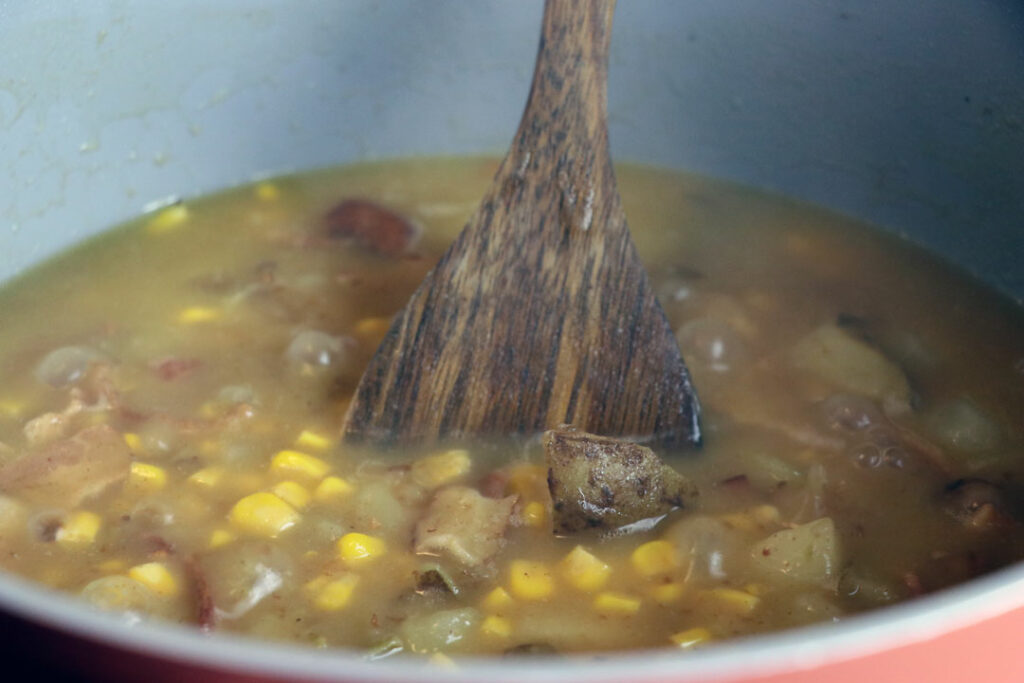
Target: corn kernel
x: 170, y: 217
x: 372, y: 328
x: 442, y: 661
x: 308, y: 439
x: 263, y: 514
x: 133, y: 441
x: 436, y: 470
x: 496, y: 627
x: 197, y: 314
x: 667, y: 593
x: 209, y: 447
x: 111, y: 566
x: 293, y: 493
x: 740, y: 521
x: 530, y: 580
x: 691, y: 637
x: 146, y: 478
x: 654, y: 558
x: 766, y: 514
x: 219, y: 537
x: 740, y: 601
x: 332, y: 488
x: 498, y: 600
x: 356, y: 548
x: 534, y: 514
x: 616, y: 603
x: 288, y: 463
x: 334, y: 594
x: 527, y: 481
x: 208, y: 476
x: 11, y: 408
x: 80, y: 528
x: 267, y: 192
x: 583, y: 570
x: 155, y: 576
x: 754, y: 589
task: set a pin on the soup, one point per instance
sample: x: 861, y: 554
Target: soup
x: 173, y: 391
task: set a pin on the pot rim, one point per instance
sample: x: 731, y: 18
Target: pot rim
x: 795, y: 649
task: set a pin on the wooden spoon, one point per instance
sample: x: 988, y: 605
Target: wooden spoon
x: 540, y: 313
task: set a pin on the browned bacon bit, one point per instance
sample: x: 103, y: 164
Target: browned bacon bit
x: 739, y: 481
x: 172, y: 368
x: 913, y: 584
x: 371, y: 226
x: 206, y: 615
x: 493, y: 484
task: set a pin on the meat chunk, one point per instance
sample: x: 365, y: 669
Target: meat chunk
x: 463, y: 525
x: 980, y: 505
x: 370, y: 225
x: 602, y: 483
x: 66, y: 472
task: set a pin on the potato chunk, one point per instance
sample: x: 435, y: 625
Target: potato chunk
x: 808, y: 553
x: 840, y: 359
x: 602, y: 483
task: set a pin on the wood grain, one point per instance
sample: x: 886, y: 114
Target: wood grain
x: 540, y: 313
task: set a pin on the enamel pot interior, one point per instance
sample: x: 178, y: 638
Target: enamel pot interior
x: 907, y: 113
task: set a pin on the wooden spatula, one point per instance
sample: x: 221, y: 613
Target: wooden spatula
x: 540, y: 313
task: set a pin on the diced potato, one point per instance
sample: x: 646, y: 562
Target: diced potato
x: 583, y: 570
x: 122, y: 594
x: 708, y: 548
x: 962, y: 426
x: 263, y: 514
x: 449, y: 630
x: 808, y: 553
x: 840, y: 359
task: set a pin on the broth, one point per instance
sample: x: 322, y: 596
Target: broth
x: 173, y: 390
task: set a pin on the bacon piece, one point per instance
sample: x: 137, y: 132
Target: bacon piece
x: 66, y: 472
x: 371, y: 226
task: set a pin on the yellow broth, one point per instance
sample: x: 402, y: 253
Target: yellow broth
x: 862, y: 412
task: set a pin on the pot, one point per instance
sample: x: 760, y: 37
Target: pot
x: 906, y: 113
